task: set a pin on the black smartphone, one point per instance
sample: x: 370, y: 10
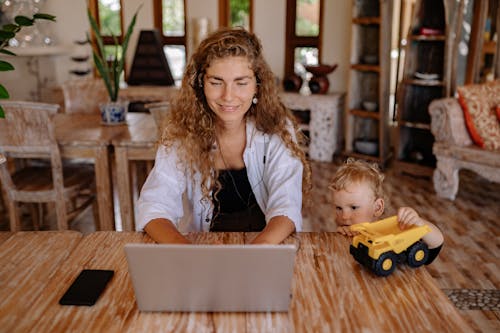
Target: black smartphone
x: 87, y: 287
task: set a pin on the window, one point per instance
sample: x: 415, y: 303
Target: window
x: 170, y: 20
x: 236, y: 13
x: 303, y: 32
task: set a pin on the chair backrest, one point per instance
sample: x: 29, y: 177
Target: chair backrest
x: 84, y: 95
x: 28, y: 132
x: 159, y: 111
x: 27, y: 127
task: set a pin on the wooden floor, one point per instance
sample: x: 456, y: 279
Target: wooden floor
x: 468, y: 267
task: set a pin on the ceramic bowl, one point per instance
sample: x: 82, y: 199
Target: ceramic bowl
x: 367, y: 147
x: 320, y: 70
x: 370, y: 106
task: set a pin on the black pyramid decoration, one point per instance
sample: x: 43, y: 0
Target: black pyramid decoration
x: 150, y: 66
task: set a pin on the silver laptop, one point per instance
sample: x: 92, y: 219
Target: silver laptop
x: 211, y: 278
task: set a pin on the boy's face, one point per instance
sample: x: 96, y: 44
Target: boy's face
x: 356, y: 204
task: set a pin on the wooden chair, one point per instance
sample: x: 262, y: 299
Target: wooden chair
x: 159, y: 110
x: 140, y: 169
x: 28, y: 133
x: 83, y: 95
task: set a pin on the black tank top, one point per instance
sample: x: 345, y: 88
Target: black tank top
x: 235, y: 208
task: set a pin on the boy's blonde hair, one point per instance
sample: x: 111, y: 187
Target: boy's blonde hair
x: 358, y: 171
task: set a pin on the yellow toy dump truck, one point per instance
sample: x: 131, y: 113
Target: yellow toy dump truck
x: 381, y: 245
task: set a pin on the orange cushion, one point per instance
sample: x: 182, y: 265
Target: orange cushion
x: 479, y: 103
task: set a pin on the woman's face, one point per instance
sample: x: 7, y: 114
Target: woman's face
x: 229, y: 86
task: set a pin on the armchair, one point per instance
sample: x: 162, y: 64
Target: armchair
x: 455, y: 149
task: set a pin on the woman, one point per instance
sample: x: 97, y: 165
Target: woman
x: 229, y: 159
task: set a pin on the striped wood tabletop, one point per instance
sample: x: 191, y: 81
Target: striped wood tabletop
x: 331, y: 293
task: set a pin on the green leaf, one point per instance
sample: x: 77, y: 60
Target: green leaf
x: 5, y: 66
x: 43, y: 16
x: 6, y: 34
x: 2, y: 113
x: 98, y: 61
x: 10, y: 27
x: 100, y: 52
x: 126, y: 40
x: 4, y: 94
x: 23, y: 21
x: 7, y: 52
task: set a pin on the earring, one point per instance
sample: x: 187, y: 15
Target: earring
x: 255, y: 100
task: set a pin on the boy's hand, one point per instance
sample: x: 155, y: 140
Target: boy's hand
x: 407, y: 217
x: 346, y: 231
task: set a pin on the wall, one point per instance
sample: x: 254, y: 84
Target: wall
x: 269, y: 25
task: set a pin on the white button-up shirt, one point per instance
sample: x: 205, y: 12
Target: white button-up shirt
x: 274, y: 174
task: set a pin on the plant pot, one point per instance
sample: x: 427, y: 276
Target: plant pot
x: 114, y: 113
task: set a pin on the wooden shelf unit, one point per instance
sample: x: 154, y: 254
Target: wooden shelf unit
x: 426, y: 77
x: 369, y: 79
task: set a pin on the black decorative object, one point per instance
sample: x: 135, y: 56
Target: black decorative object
x: 319, y: 83
x: 150, y: 65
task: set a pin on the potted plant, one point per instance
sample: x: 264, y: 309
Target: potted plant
x: 115, y: 111
x: 7, y: 32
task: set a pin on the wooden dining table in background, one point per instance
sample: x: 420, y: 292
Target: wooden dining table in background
x: 82, y: 136
x: 330, y: 291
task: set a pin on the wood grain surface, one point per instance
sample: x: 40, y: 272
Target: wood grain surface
x: 4, y: 235
x: 331, y: 293
x: 28, y: 261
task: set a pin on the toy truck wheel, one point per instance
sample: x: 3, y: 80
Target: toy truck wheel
x: 385, y: 264
x: 418, y: 254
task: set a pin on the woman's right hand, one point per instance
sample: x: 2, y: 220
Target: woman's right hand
x: 165, y: 232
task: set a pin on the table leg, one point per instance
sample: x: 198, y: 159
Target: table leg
x: 124, y: 188
x: 104, y: 189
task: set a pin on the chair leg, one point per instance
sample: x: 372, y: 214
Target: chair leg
x: 15, y: 220
x: 61, y: 215
x: 95, y: 214
x: 35, y: 213
x: 445, y: 178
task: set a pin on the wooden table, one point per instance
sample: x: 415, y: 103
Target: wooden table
x: 139, y: 143
x: 28, y: 261
x: 331, y: 293
x: 83, y: 136
x: 4, y: 235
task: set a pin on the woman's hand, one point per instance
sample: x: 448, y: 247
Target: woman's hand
x: 276, y: 230
x: 164, y: 231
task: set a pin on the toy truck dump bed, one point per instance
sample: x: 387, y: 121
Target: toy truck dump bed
x: 382, y: 244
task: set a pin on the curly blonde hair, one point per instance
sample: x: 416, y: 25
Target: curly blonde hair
x: 191, y: 123
x: 358, y: 171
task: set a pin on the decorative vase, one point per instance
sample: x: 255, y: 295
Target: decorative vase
x: 114, y: 113
x: 292, y: 83
x: 319, y: 83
